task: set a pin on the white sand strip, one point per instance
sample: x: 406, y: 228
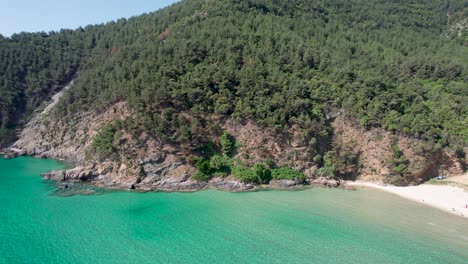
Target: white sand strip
x: 448, y: 198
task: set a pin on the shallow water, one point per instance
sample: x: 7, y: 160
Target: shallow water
x: 311, y: 226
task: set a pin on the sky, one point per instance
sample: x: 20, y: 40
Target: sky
x: 46, y: 15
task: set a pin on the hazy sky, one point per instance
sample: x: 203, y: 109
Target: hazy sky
x: 47, y: 15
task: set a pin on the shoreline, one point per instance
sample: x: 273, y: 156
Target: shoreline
x: 448, y: 198
x: 451, y: 199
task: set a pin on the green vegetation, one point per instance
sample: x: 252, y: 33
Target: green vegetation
x: 287, y: 173
x: 222, y: 166
x: 263, y: 173
x: 6, y: 135
x: 399, y: 164
x: 201, y: 177
x: 203, y: 165
x: 280, y: 63
x: 328, y: 169
x: 104, y: 142
x: 32, y: 66
x: 245, y: 174
x: 227, y: 143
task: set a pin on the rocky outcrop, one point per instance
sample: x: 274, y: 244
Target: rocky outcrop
x: 283, y: 183
x: 76, y: 174
x: 325, y: 182
x: 181, y: 183
x: 10, y: 153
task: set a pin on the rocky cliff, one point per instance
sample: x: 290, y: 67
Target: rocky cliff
x: 149, y: 163
x: 373, y: 149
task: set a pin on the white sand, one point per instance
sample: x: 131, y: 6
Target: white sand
x: 448, y: 198
x: 463, y: 179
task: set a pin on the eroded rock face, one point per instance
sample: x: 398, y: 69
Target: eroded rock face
x: 46, y: 137
x: 290, y: 148
x: 373, y: 147
x: 146, y: 163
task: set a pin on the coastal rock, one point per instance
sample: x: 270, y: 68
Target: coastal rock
x: 229, y: 185
x: 332, y: 183
x: 160, y: 167
x: 75, y: 174
x: 56, y: 175
x: 187, y: 186
x: 311, y: 172
x: 11, y: 153
x: 283, y: 183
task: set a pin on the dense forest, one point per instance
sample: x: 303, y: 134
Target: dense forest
x: 400, y: 65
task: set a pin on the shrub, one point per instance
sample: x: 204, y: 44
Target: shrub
x: 245, y: 174
x: 263, y: 174
x: 270, y: 163
x: 3, y: 132
x: 220, y: 163
x: 396, y: 180
x: 318, y: 159
x: 227, y: 143
x: 329, y: 167
x: 216, y: 166
x: 203, y: 165
x: 327, y: 172
x: 220, y: 174
x: 400, y: 169
x: 286, y: 173
x: 201, y: 177
x: 103, y: 142
x: 399, y: 161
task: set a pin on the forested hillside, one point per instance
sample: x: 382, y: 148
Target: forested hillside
x: 399, y: 65
x: 388, y: 63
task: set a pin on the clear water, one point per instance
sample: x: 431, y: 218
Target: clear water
x: 311, y: 226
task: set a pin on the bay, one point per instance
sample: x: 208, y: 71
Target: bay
x: 311, y: 226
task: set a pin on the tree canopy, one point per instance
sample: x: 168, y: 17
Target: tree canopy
x: 392, y: 64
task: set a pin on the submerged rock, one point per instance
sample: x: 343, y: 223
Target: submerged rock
x: 72, y: 189
x: 349, y: 187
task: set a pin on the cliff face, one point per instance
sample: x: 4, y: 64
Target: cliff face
x: 148, y: 163
x: 373, y: 147
x: 45, y: 136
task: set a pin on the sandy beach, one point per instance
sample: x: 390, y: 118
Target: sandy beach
x: 451, y: 199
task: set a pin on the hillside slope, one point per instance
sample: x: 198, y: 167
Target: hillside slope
x: 242, y: 91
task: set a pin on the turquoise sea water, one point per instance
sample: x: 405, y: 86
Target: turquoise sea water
x: 310, y: 226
